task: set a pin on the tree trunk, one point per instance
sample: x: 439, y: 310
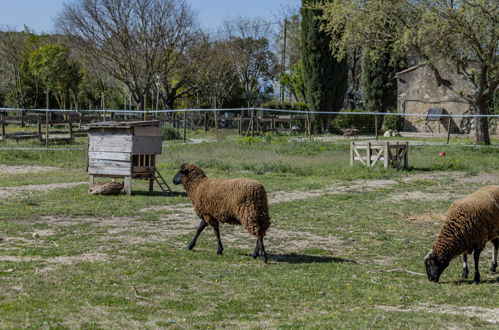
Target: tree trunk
x: 482, y: 125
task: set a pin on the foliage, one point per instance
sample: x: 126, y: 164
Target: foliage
x: 284, y: 105
x: 462, y: 34
x: 294, y: 82
x: 393, y: 122
x: 55, y: 72
x: 377, y: 80
x: 365, y: 123
x: 325, y: 78
x: 170, y: 133
x: 249, y: 50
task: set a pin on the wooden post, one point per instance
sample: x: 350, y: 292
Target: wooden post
x: 151, y: 186
x: 368, y: 154
x: 145, y: 107
x: 70, y: 128
x: 448, y: 129
x: 47, y: 123
x: 240, y: 128
x: 406, y: 156
x: 205, y: 122
x: 39, y: 126
x: 2, y: 119
x: 91, y: 180
x: 216, y: 123
x: 185, y: 125
x: 128, y: 185
x: 352, y: 146
x: 397, y: 156
x: 386, y: 155
x: 376, y: 126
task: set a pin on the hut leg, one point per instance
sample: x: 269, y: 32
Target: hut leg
x: 128, y: 185
x: 151, y: 185
x: 92, y: 180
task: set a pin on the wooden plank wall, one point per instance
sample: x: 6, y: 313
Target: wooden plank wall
x: 110, y: 154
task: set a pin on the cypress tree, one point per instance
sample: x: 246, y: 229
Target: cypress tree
x: 377, y: 81
x: 324, y: 77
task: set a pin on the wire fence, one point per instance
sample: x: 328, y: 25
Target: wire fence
x: 59, y: 124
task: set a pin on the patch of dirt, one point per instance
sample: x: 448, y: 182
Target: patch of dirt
x: 358, y: 185
x: 484, y: 179
x: 426, y: 217
x: 17, y: 191
x: 6, y: 169
x: 490, y: 315
x: 424, y: 196
x: 61, y: 260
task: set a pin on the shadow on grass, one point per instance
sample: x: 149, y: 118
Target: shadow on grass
x: 471, y: 282
x: 294, y: 258
x: 160, y: 193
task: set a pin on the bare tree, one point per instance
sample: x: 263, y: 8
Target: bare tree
x: 249, y: 49
x: 216, y: 76
x: 12, y: 44
x: 134, y: 41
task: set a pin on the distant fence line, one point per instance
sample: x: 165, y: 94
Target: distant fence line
x: 303, y: 112
x: 64, y: 125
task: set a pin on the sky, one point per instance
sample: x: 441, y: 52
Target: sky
x: 39, y: 15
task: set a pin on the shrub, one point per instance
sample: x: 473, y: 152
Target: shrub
x: 393, y: 122
x: 170, y: 133
x: 361, y: 121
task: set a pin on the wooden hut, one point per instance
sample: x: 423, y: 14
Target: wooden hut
x: 125, y: 150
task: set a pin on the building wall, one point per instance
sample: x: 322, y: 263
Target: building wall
x: 418, y: 91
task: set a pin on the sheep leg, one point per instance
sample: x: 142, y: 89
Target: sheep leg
x: 493, y: 264
x: 219, y: 242
x: 465, y: 266
x: 262, y: 249
x: 476, y: 258
x: 256, y: 253
x: 200, y: 229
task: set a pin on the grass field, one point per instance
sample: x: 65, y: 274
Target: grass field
x: 346, y: 244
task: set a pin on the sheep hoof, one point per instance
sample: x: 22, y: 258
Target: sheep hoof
x: 190, y: 246
x: 254, y: 255
x: 219, y: 253
x: 465, y: 274
x: 477, y: 278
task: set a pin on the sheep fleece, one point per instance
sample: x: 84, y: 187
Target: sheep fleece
x: 234, y: 201
x: 470, y: 222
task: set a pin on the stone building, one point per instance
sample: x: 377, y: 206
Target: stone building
x: 418, y: 91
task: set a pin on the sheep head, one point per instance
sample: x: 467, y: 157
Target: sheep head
x: 188, y: 173
x: 434, y: 266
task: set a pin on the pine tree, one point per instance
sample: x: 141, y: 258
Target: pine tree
x: 325, y: 78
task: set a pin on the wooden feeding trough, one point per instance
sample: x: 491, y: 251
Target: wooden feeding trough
x: 389, y: 153
x: 125, y: 150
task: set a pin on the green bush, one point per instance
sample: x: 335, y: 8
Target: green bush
x: 363, y: 122
x: 393, y: 122
x: 170, y: 133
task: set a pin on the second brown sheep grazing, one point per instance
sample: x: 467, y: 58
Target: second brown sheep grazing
x: 234, y: 201
x: 469, y: 224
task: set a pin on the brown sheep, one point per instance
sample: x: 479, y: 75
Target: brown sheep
x: 234, y: 201
x: 469, y: 224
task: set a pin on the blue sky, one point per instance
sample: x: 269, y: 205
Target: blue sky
x: 39, y: 14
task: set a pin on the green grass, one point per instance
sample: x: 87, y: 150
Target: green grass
x: 341, y: 259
